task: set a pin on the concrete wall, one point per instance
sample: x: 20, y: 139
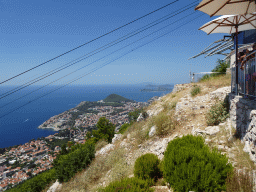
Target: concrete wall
x: 243, y: 119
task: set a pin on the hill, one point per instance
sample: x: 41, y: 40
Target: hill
x: 172, y: 116
x: 116, y: 98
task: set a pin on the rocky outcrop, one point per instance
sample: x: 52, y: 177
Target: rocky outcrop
x: 211, y: 130
x: 180, y: 87
x: 55, y: 186
x: 105, y: 149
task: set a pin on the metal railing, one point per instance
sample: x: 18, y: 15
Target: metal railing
x: 246, y: 78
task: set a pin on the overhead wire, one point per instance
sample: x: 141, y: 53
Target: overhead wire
x: 69, y: 65
x: 99, y: 67
x: 96, y: 60
x: 87, y: 42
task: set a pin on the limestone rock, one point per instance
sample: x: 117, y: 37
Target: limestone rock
x: 161, y: 188
x: 140, y: 118
x: 55, y: 186
x: 212, y: 130
x: 105, y: 149
x: 152, y: 131
x: 116, y: 138
x: 246, y: 147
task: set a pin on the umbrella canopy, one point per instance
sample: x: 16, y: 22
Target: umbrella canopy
x: 229, y: 23
x: 227, y: 7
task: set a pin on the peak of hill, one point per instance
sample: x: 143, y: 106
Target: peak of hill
x: 116, y: 98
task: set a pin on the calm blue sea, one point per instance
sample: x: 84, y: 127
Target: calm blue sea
x: 21, y: 126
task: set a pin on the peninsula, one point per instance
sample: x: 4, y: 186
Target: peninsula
x: 86, y: 114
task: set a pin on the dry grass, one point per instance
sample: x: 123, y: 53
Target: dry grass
x: 101, y: 143
x: 217, y: 82
x: 238, y: 182
x: 165, y: 123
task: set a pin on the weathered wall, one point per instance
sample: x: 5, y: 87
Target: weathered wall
x: 243, y: 119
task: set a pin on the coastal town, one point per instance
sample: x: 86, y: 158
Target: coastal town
x: 24, y: 161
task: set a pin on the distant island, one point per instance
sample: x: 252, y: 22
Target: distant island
x: 154, y: 88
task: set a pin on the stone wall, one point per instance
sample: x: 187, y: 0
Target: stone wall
x: 243, y: 119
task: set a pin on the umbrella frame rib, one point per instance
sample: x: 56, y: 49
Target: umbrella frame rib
x: 220, y: 8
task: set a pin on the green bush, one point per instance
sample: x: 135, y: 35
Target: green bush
x: 123, y: 128
x: 68, y: 165
x: 190, y: 165
x: 218, y: 113
x: 195, y: 90
x: 105, y: 130
x: 128, y: 185
x: 147, y: 167
x: 37, y: 183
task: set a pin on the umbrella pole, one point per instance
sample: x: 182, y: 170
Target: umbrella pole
x: 236, y: 59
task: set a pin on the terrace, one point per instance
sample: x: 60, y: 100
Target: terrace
x: 246, y: 77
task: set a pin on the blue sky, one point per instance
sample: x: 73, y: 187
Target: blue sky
x: 33, y: 32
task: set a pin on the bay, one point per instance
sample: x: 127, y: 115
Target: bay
x: 20, y: 126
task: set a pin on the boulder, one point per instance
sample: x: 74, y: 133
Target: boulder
x: 152, y: 131
x: 140, y: 118
x: 105, y: 149
x: 246, y: 147
x: 212, y: 130
x: 116, y: 138
x: 55, y: 186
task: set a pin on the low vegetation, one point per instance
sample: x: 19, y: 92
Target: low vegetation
x: 123, y: 128
x: 165, y: 124
x: 128, y: 185
x: 190, y: 165
x: 218, y: 113
x: 147, y: 167
x: 195, y: 90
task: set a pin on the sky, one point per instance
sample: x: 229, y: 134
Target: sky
x: 33, y: 32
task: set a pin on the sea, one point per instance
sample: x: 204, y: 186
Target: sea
x: 21, y: 112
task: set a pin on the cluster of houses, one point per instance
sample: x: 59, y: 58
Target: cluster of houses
x: 34, y: 152
x: 121, y: 117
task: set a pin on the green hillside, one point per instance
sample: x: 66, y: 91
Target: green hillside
x: 116, y: 98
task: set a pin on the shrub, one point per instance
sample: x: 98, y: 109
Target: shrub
x: 195, y: 90
x: 173, y: 104
x: 123, y: 128
x: 239, y: 182
x: 218, y: 113
x: 190, y: 165
x: 128, y: 185
x: 165, y: 123
x: 147, y: 167
x: 68, y: 165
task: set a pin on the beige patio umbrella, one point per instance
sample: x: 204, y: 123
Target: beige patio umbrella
x: 227, y: 7
x: 231, y: 24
